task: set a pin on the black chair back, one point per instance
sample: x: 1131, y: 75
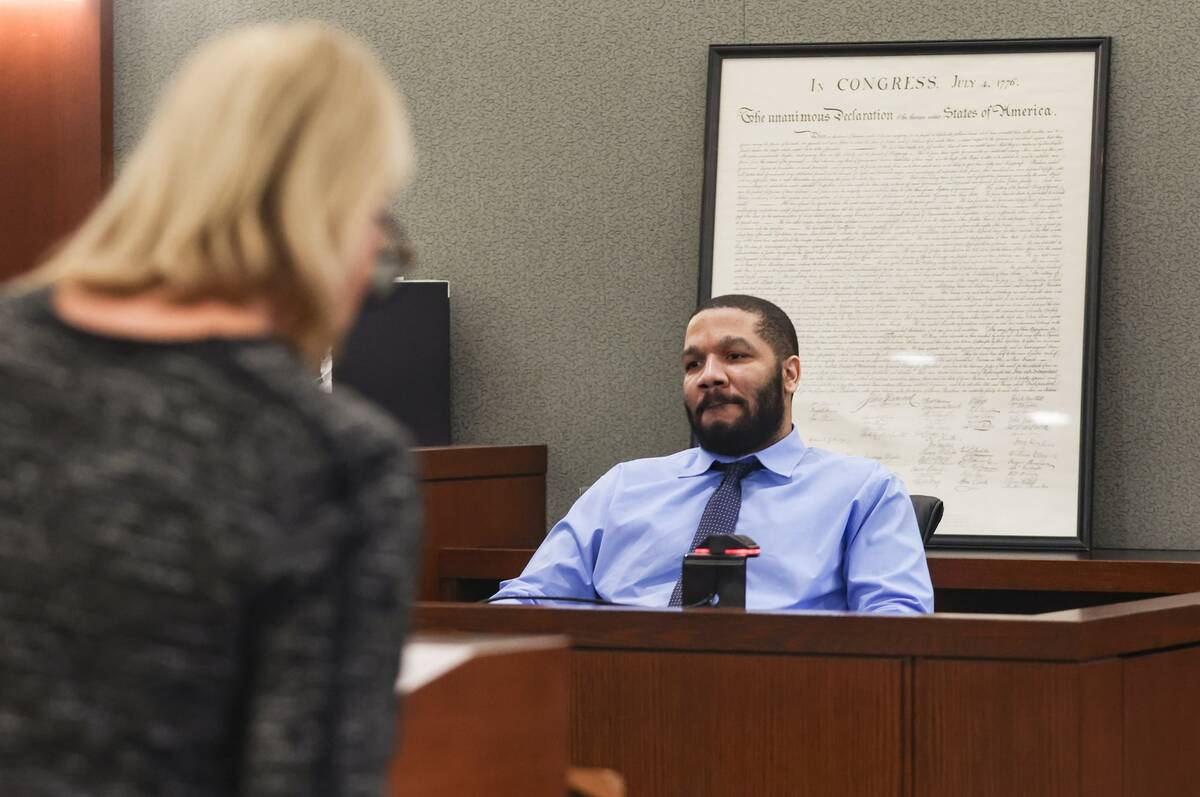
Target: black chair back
x: 929, y: 513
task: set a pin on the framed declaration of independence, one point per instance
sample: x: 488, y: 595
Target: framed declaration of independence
x: 928, y: 214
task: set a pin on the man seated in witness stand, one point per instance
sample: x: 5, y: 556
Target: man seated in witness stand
x: 836, y: 532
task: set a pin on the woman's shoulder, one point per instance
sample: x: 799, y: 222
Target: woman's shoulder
x: 352, y: 427
x: 23, y: 313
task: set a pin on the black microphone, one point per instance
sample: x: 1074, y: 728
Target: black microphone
x: 714, y: 574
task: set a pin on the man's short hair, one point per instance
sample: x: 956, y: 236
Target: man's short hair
x: 774, y: 326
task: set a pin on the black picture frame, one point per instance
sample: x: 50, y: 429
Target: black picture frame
x: 1100, y: 47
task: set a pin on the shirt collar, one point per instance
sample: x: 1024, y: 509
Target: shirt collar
x: 781, y: 457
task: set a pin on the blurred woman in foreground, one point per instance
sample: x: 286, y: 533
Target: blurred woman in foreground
x: 204, y: 560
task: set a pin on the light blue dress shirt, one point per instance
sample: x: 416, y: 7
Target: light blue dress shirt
x: 837, y: 533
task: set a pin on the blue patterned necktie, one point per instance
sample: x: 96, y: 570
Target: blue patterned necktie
x: 721, y: 512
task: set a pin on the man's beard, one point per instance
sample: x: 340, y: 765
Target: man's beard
x: 751, y: 431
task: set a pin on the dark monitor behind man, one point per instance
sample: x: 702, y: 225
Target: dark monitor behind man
x: 837, y: 533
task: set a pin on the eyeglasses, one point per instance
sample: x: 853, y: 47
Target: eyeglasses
x: 396, y: 255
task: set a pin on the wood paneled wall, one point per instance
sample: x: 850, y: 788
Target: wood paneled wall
x: 55, y: 122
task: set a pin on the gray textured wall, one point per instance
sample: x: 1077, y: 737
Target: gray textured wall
x: 559, y: 192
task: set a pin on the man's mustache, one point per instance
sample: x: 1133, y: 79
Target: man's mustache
x: 713, y: 399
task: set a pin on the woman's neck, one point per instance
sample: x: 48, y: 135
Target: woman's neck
x: 151, y: 316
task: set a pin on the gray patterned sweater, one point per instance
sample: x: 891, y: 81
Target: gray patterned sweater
x: 204, y: 563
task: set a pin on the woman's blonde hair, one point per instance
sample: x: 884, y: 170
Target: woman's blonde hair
x: 256, y: 179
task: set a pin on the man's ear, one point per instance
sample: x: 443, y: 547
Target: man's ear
x: 791, y: 374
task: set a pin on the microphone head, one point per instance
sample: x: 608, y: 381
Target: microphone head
x: 728, y: 545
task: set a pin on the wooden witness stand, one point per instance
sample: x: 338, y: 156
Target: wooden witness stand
x: 1054, y: 700
x: 1090, y: 702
